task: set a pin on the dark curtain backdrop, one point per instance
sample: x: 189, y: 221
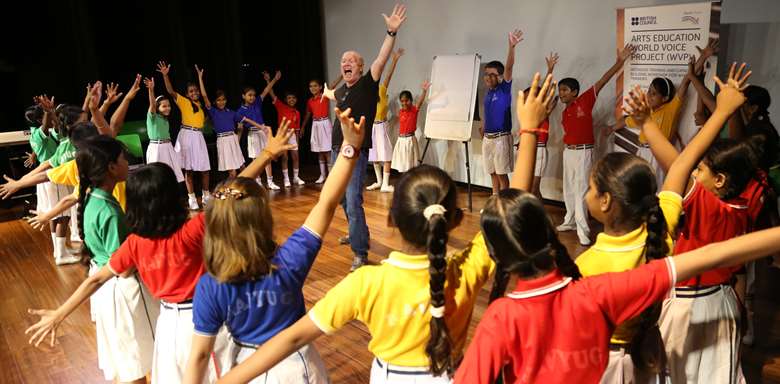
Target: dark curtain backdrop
x: 57, y: 47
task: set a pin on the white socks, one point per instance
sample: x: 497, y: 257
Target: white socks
x: 191, y: 196
x: 295, y: 174
x: 206, y: 194
x: 385, y: 179
x: 286, y: 176
x: 378, y: 172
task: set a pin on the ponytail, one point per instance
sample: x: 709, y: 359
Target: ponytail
x: 500, y: 281
x: 439, y: 347
x: 562, y: 259
x: 647, y: 347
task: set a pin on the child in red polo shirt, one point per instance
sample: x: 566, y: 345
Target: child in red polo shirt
x: 556, y: 326
x: 578, y: 141
x: 286, y: 110
x: 318, y: 109
x: 406, y: 154
x: 723, y: 197
x: 166, y: 249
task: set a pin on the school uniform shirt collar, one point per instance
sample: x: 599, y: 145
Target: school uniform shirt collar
x: 550, y: 282
x: 402, y: 260
x: 103, y: 195
x: 624, y: 243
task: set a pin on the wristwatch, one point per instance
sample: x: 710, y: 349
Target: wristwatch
x: 348, y: 151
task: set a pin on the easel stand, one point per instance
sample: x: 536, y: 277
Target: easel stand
x: 468, y: 166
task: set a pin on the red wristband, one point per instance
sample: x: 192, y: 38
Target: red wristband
x: 533, y: 131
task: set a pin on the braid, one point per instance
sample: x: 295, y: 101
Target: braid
x: 647, y: 346
x: 84, y: 184
x: 439, y: 347
x: 500, y: 281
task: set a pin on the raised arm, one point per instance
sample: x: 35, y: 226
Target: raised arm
x: 269, y: 88
x: 531, y: 112
x: 694, y: 75
x: 165, y: 69
x: 97, y: 116
x: 704, y: 54
x: 396, y: 56
x: 85, y: 105
x: 276, y: 146
x: 622, y: 56
x: 118, y: 118
x: 393, y: 23
x: 515, y: 37
x: 729, y: 99
x: 205, y: 96
x: 421, y: 99
x: 639, y: 110
x: 47, y: 105
x: 149, y: 83
x: 112, y: 95
x: 333, y: 191
x: 50, y: 320
x: 552, y: 61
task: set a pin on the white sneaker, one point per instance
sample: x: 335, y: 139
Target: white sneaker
x: 320, y: 180
x: 584, y: 241
x: 374, y: 186
x: 298, y: 181
x: 287, y: 183
x: 273, y: 186
x: 566, y: 227
x: 65, y: 260
x: 193, y: 203
x: 387, y: 189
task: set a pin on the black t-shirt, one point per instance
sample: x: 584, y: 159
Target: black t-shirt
x: 362, y: 98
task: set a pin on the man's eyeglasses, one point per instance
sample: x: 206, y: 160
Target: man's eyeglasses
x: 487, y: 74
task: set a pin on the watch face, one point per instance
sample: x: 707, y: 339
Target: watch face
x: 348, y: 151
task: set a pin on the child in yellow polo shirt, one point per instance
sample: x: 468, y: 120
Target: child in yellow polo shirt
x: 416, y: 305
x: 637, y: 228
x: 190, y: 144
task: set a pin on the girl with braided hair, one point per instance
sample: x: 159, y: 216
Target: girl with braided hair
x: 417, y: 304
x: 637, y: 228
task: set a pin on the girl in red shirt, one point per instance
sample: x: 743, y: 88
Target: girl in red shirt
x: 555, y: 325
x: 406, y: 154
x: 723, y: 197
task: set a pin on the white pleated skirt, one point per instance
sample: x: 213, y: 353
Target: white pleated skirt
x: 162, y: 151
x: 173, y: 342
x: 125, y: 316
x: 701, y: 333
x: 321, y: 135
x: 229, y: 152
x: 304, y: 366
x: 256, y: 140
x: 192, y: 147
x: 381, y: 146
x: 406, y: 154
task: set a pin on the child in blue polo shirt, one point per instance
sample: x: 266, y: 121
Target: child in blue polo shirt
x: 254, y: 286
x: 496, y: 130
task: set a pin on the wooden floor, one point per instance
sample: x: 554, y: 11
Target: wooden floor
x: 30, y: 279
